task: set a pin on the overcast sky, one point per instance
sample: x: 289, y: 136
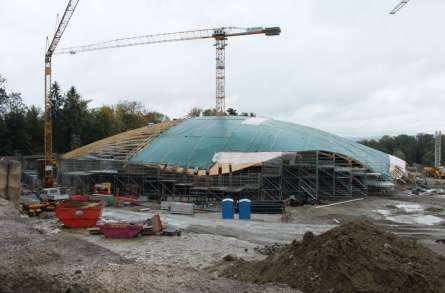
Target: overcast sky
x: 344, y: 66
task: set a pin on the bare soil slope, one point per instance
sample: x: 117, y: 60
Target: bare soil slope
x: 354, y: 257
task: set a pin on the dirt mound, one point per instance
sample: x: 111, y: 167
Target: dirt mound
x: 354, y: 257
x: 269, y: 249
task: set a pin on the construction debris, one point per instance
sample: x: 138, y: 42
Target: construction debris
x: 38, y: 262
x: 354, y: 257
x: 121, y: 230
x: 418, y: 190
x: 269, y: 249
x: 171, y: 232
x: 94, y: 231
x: 182, y: 208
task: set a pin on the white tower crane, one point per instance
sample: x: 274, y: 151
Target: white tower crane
x: 220, y: 36
x: 399, y: 6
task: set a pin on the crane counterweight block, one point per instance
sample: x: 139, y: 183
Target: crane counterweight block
x: 272, y: 31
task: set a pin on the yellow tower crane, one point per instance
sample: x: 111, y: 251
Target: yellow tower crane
x: 48, y: 172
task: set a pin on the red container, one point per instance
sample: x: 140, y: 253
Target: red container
x: 79, y: 214
x: 120, y: 230
x: 80, y: 197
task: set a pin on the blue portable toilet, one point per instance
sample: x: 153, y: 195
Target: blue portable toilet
x: 245, y: 209
x: 227, y: 208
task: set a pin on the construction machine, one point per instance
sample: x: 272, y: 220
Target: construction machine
x: 435, y: 172
x: 399, y: 6
x: 220, y: 35
x: 102, y: 188
x: 48, y: 169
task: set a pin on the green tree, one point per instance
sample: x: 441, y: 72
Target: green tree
x: 14, y: 137
x: 155, y: 117
x: 75, y: 120
x: 3, y: 96
x: 74, y: 123
x: 34, y: 128
x: 209, y: 112
x: 407, y: 144
x: 58, y: 101
x: 195, y: 112
x: 103, y: 123
x: 400, y: 154
x: 417, y: 149
x: 129, y: 115
x: 424, y: 148
x: 231, y: 112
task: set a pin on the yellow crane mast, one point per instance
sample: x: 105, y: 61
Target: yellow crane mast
x: 48, y: 135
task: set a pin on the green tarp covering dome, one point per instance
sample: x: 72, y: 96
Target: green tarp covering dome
x: 194, y: 142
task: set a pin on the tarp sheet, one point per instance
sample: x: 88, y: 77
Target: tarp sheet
x: 194, y: 142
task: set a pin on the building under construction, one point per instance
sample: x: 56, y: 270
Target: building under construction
x: 207, y: 158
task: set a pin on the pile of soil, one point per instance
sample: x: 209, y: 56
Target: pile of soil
x: 269, y: 249
x: 354, y: 257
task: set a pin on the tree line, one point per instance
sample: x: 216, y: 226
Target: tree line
x: 414, y: 149
x: 198, y: 112
x: 75, y: 123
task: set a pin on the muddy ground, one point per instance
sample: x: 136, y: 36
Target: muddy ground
x: 44, y: 260
x: 75, y: 259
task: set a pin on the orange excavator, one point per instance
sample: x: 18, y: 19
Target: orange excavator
x: 434, y: 172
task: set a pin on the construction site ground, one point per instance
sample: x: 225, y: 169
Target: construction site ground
x: 178, y: 263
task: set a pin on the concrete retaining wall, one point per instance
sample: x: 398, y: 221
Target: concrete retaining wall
x: 10, y: 179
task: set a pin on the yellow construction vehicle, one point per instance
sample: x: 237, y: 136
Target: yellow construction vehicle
x: 434, y: 172
x: 35, y: 209
x: 102, y: 188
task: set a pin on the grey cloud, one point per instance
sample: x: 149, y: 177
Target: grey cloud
x: 345, y: 66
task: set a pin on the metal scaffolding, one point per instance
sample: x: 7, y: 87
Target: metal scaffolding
x: 312, y: 176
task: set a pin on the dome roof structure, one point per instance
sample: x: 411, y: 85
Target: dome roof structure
x: 206, y: 156
x: 199, y: 143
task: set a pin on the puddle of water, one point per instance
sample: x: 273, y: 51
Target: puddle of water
x: 410, y: 208
x: 416, y: 219
x: 383, y: 212
x: 413, y: 214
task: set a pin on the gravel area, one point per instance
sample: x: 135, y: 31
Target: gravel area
x: 189, y: 250
x: 41, y: 260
